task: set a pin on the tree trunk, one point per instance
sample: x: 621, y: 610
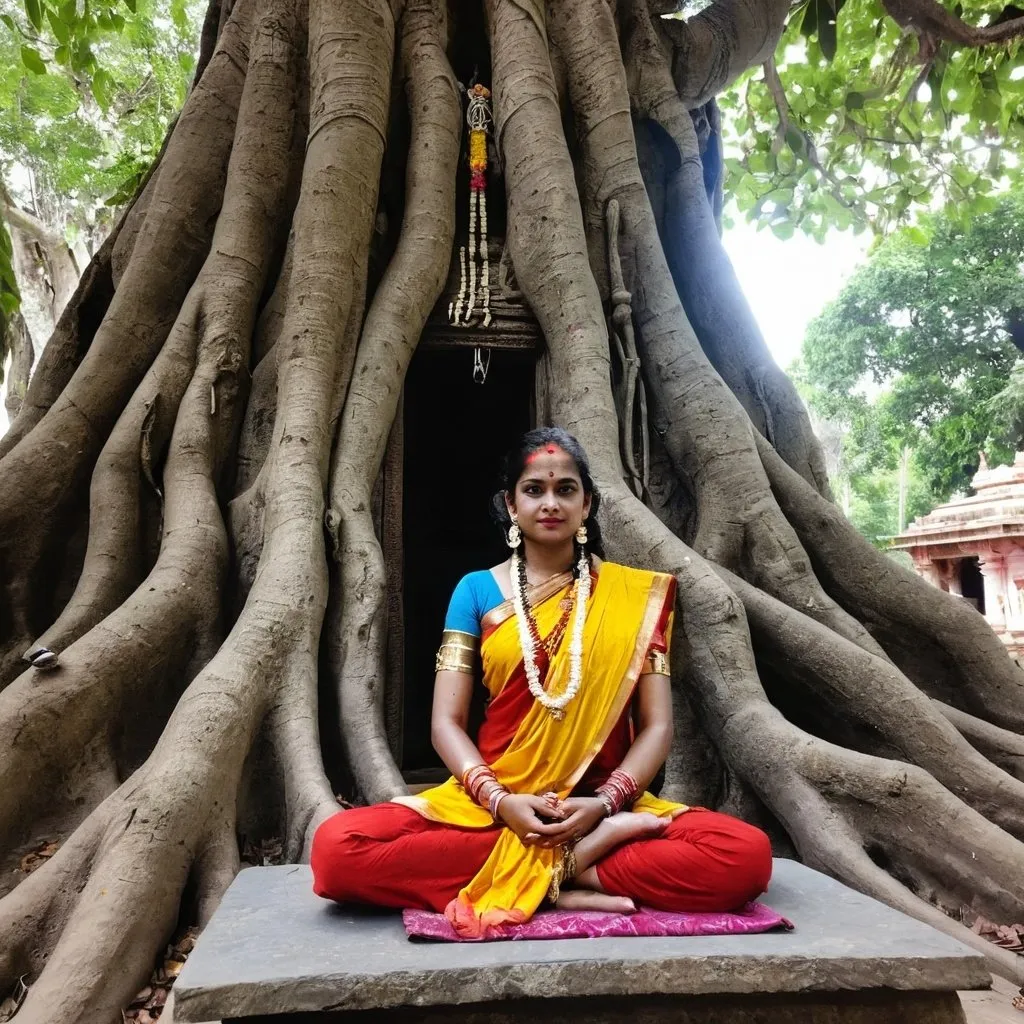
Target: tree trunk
x: 46, y: 268
x: 18, y: 344
x: 186, y: 497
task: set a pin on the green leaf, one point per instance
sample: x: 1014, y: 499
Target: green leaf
x: 31, y: 59
x: 35, y: 14
x: 69, y: 12
x: 179, y: 14
x: 186, y: 62
x: 7, y: 278
x: 103, y: 87
x: 130, y: 4
x: 60, y: 29
x: 963, y: 175
x: 917, y: 236
x: 9, y: 22
x: 9, y: 303
x: 854, y: 101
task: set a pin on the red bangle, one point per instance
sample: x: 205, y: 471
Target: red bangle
x: 482, y: 787
x: 619, y: 790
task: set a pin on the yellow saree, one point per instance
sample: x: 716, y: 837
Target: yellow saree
x: 548, y: 754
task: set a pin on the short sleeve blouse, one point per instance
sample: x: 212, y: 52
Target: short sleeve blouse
x: 474, y: 596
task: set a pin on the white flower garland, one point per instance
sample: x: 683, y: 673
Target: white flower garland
x: 555, y: 705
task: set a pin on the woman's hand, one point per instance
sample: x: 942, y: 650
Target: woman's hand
x: 524, y: 814
x: 581, y: 815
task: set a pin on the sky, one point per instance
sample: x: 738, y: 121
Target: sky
x: 787, y: 283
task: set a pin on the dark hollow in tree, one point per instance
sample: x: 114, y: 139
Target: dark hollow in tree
x: 192, y: 502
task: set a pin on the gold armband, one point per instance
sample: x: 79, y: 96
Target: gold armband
x: 656, y: 663
x: 458, y: 652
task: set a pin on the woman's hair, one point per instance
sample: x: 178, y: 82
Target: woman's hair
x: 515, y: 463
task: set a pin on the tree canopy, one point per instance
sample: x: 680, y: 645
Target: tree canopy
x: 860, y: 120
x: 916, y: 348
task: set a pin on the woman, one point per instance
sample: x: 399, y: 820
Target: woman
x: 549, y: 801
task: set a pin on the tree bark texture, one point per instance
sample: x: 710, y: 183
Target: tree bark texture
x: 187, y: 493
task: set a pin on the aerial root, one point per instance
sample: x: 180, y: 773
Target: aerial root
x: 34, y: 914
x: 170, y: 625
x: 215, y: 867
x: 688, y: 393
x: 832, y: 845
x: 295, y: 736
x: 146, y: 837
x: 861, y: 687
x: 832, y: 802
x: 356, y: 625
x: 1000, y: 746
x: 129, y: 462
x: 701, y: 269
x: 981, y: 680
x: 46, y: 474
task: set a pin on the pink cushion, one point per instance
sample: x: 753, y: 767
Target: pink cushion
x: 592, y: 924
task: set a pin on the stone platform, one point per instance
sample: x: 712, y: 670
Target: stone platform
x: 275, y: 952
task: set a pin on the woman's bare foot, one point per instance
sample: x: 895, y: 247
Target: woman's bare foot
x: 614, y: 831
x: 587, y: 899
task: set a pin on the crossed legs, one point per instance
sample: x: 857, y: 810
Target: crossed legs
x: 388, y: 855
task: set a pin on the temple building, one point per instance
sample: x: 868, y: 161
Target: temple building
x: 974, y: 547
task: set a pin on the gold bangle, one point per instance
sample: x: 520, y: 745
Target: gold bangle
x: 458, y: 652
x: 564, y: 870
x: 656, y: 664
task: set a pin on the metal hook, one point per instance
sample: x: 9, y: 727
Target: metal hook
x: 481, y: 367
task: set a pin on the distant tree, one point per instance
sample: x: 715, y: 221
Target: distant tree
x: 935, y: 319
x: 86, y: 96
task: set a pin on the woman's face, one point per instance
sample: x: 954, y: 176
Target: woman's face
x: 548, y: 497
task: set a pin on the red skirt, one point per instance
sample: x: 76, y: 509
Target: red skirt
x: 390, y: 856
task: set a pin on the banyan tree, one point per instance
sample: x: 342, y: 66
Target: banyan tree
x: 258, y: 450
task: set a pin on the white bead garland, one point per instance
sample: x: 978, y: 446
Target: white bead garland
x: 455, y: 308
x: 485, y: 282
x: 471, y: 301
x: 555, y: 705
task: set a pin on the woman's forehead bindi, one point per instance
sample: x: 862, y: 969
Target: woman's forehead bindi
x: 547, y: 449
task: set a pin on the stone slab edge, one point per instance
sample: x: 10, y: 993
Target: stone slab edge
x: 683, y: 976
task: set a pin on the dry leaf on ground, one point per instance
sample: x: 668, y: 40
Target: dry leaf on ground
x: 1009, y: 936
x: 147, y: 1006
x: 39, y: 856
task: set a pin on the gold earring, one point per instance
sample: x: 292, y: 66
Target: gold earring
x: 514, y: 535
x: 581, y: 534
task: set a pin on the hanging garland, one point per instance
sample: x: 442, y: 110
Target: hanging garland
x: 530, y: 638
x: 474, y: 255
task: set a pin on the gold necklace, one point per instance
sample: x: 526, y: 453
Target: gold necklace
x: 540, y: 583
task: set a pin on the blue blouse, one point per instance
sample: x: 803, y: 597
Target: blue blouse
x: 474, y: 596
